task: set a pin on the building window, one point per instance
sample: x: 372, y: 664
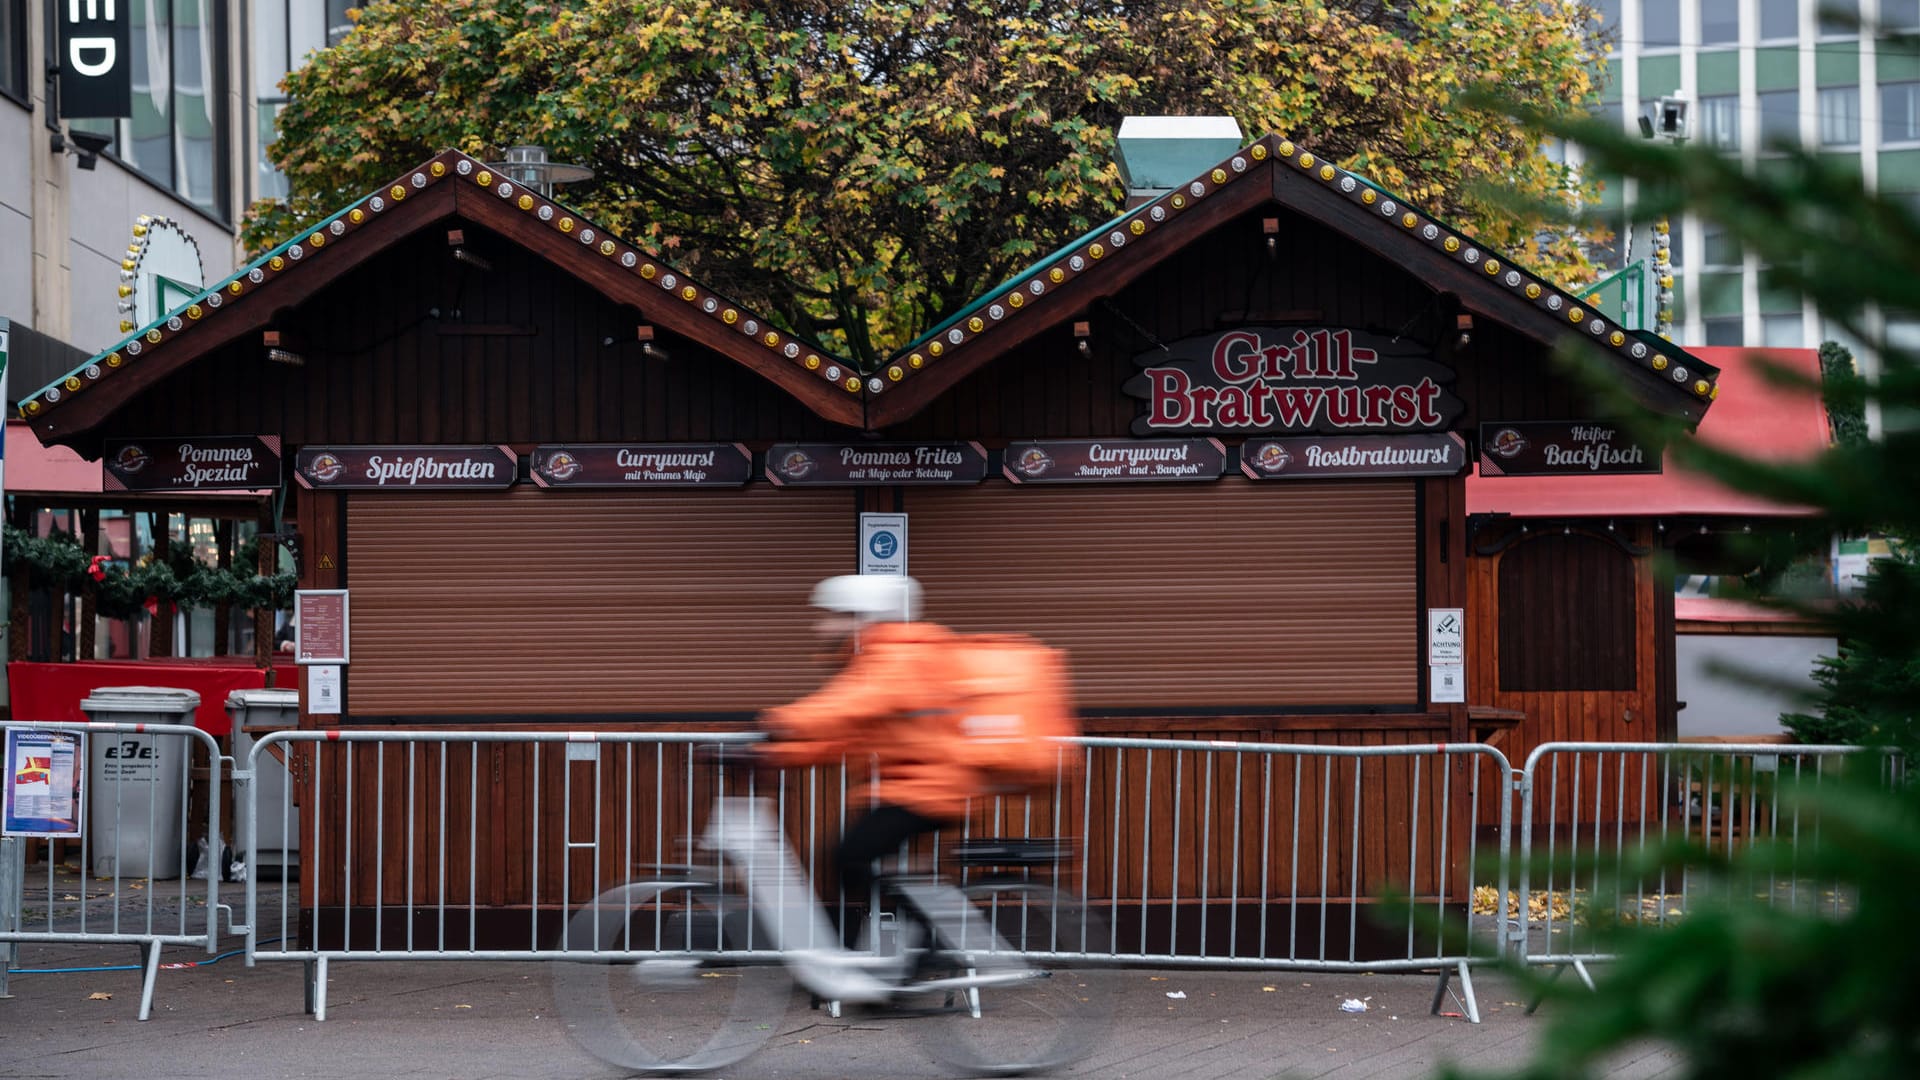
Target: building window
x: 1660, y: 26
x: 13, y: 47
x: 1899, y: 14
x: 1839, y: 18
x: 1899, y: 112
x: 1720, y: 122
x: 1556, y: 637
x: 177, y: 135
x: 1723, y: 331
x: 285, y: 33
x: 1779, y: 20
x: 1720, y: 249
x: 1607, y: 19
x: 1839, y: 115
x: 1719, y: 22
x: 1780, y: 117
x: 1781, y: 331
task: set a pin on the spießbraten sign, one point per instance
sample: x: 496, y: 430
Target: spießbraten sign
x: 208, y: 463
x: 1563, y: 448
x: 406, y: 468
x: 1291, y: 379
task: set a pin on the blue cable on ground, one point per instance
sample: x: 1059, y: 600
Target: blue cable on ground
x: 127, y: 967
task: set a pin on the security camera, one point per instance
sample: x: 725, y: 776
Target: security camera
x: 91, y: 142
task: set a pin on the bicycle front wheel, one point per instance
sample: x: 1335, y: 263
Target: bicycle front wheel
x: 654, y: 980
x: 1035, y: 1006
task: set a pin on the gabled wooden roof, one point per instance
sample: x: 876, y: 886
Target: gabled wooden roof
x: 1271, y: 170
x: 1661, y: 375
x: 449, y: 185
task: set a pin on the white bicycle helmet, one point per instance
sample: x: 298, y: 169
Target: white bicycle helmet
x: 872, y: 598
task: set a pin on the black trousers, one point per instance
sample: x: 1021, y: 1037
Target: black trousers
x: 865, y: 842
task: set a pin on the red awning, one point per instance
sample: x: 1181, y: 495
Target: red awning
x: 35, y: 468
x: 1751, y: 416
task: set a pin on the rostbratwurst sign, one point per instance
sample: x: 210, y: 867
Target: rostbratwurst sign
x: 405, y: 468
x: 1067, y: 461
x: 1311, y: 457
x: 623, y: 465
x: 814, y: 464
x: 1291, y: 379
x: 209, y: 463
x: 1562, y: 448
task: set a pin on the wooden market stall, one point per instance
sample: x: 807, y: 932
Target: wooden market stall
x: 1215, y: 448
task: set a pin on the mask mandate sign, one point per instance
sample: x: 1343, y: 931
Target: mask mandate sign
x: 883, y: 544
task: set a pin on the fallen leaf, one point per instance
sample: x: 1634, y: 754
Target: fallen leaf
x: 99, y: 995
x: 463, y: 1006
x: 1268, y: 989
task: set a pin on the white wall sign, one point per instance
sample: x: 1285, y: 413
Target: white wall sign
x: 323, y: 690
x: 1446, y: 636
x: 883, y: 544
x: 1449, y: 684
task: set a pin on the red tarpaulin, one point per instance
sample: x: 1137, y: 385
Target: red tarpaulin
x: 53, y: 692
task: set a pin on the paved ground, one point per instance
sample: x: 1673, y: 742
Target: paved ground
x: 481, y: 1020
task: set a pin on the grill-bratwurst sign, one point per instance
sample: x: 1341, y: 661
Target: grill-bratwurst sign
x: 1291, y: 379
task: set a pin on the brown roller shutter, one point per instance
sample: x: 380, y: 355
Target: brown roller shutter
x: 604, y: 603
x: 1188, y: 596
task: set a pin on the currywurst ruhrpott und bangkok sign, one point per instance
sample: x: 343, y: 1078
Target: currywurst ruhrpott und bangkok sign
x: 1069, y: 461
x: 406, y: 468
x: 1291, y: 379
x: 1562, y: 448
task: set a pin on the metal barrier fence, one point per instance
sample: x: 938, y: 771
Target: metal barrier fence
x: 1606, y: 809
x: 138, y: 834
x: 483, y: 845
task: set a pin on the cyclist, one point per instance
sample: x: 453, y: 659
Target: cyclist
x: 887, y: 700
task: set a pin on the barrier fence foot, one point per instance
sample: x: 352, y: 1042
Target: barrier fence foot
x: 1469, y: 1005
x: 320, y: 989
x: 152, y: 951
x: 1580, y: 969
x: 306, y: 987
x: 1542, y: 995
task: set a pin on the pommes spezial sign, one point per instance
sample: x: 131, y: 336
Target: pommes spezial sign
x: 1292, y: 379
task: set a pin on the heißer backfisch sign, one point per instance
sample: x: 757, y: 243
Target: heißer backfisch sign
x: 207, y: 463
x: 1287, y: 379
x: 1562, y: 448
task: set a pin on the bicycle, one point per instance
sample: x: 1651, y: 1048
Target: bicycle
x: 686, y: 969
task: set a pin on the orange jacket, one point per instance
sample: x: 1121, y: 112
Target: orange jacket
x: 889, y: 702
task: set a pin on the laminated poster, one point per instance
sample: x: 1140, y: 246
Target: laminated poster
x: 43, y: 776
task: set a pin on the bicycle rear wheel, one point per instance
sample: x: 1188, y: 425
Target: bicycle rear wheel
x: 1052, y: 1016
x: 664, y: 996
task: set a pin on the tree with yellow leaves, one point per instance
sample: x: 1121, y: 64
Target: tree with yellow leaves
x: 861, y: 170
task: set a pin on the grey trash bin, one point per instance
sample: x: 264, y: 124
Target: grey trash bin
x: 136, y: 805
x: 254, y: 711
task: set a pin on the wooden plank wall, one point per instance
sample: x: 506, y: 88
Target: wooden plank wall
x: 1629, y: 715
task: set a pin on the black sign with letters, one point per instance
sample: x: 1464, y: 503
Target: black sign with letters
x: 96, y: 61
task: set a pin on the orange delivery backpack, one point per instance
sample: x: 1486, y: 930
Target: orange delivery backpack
x: 1012, y: 696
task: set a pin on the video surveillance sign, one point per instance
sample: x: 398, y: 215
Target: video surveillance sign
x: 96, y: 64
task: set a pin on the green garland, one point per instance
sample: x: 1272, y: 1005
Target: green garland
x: 57, y: 561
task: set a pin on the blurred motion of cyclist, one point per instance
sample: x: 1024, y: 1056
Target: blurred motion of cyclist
x: 890, y: 699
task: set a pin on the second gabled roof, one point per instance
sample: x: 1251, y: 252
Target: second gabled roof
x: 1663, y: 375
